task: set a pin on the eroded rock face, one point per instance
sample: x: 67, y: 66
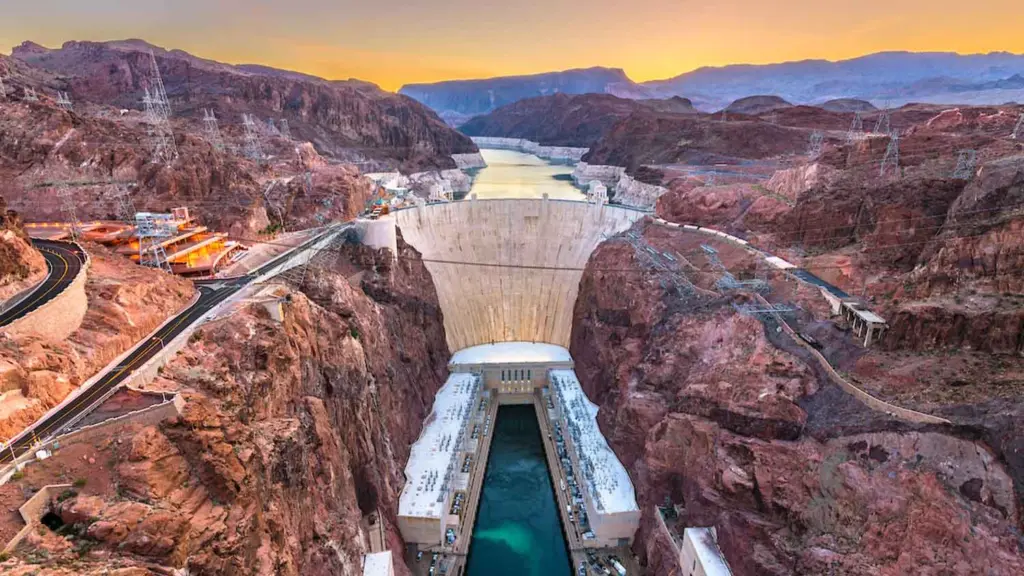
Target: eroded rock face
x: 21, y: 265
x: 292, y: 431
x: 350, y: 120
x: 711, y: 410
x: 125, y: 302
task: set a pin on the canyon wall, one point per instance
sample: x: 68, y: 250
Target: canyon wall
x: 292, y: 431
x: 728, y: 418
x: 509, y: 270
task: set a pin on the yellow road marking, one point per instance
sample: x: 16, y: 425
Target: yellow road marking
x: 77, y: 402
x: 63, y: 275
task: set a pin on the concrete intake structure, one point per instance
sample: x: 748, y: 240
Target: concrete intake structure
x: 509, y: 270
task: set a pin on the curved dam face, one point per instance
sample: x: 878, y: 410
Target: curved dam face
x: 509, y: 270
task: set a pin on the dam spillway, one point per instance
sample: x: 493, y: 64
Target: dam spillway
x: 509, y: 269
x: 518, y: 530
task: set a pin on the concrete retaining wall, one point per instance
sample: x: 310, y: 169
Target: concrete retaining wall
x: 32, y: 511
x: 541, y: 248
x: 58, y: 318
x: 149, y: 416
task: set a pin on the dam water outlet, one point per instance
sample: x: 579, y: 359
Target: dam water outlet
x: 518, y: 531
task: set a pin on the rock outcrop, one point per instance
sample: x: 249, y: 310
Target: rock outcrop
x: 719, y: 414
x: 125, y: 302
x: 756, y: 105
x: 349, y: 120
x: 574, y: 120
x: 21, y: 265
x: 291, y: 434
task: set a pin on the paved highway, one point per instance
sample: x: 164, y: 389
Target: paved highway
x: 212, y: 293
x: 64, y: 261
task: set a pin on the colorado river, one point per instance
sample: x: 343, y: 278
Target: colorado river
x: 518, y: 531
x: 511, y: 174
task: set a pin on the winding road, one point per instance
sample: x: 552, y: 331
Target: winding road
x: 212, y: 293
x: 64, y: 261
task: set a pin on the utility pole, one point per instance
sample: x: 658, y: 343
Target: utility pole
x: 724, y: 117
x: 212, y: 129
x: 883, y: 125
x: 1018, y: 130
x: 153, y: 227
x: 63, y: 101
x: 253, y: 148
x: 966, y: 161
x: 892, y: 156
x: 856, y: 128
x: 817, y: 144
x: 67, y: 208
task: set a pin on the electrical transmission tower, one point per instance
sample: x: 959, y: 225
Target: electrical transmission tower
x: 884, y: 123
x: 253, y: 147
x: 159, y: 94
x: 212, y: 129
x: 154, y: 227
x: 30, y: 94
x: 1018, y: 130
x: 67, y: 208
x: 966, y: 160
x: 817, y: 144
x: 272, y: 128
x: 724, y: 117
x: 63, y: 101
x: 285, y: 130
x: 160, y: 134
x: 125, y: 207
x: 856, y: 128
x: 891, y: 160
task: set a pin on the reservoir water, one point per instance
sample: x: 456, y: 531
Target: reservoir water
x: 517, y: 531
x: 511, y: 174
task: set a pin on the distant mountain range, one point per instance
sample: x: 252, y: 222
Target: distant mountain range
x: 893, y: 77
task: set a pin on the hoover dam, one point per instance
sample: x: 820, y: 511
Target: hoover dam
x: 507, y: 274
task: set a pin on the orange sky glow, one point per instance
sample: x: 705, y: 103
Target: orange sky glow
x: 394, y: 42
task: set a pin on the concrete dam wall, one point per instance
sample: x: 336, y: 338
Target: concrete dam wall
x: 509, y: 270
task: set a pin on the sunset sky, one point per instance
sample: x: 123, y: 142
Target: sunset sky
x: 394, y: 42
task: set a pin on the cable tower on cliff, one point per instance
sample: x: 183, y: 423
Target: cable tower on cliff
x: 884, y: 123
x: 272, y: 128
x: 253, y: 147
x: 212, y: 129
x: 285, y: 130
x: 154, y: 227
x: 63, y: 101
x: 160, y: 135
x: 817, y: 144
x: 1018, y: 130
x: 67, y: 208
x: 30, y: 94
x: 891, y: 160
x: 125, y: 207
x: 966, y: 161
x: 159, y: 93
x: 856, y: 128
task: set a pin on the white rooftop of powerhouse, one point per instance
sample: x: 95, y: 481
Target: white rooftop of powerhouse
x: 432, y: 459
x: 605, y: 477
x: 377, y: 564
x: 511, y: 353
x: 708, y: 553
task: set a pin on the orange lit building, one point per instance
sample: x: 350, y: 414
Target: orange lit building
x: 191, y: 249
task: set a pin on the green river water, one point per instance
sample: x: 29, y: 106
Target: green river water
x: 518, y: 530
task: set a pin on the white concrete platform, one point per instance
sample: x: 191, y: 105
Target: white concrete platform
x: 511, y: 353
